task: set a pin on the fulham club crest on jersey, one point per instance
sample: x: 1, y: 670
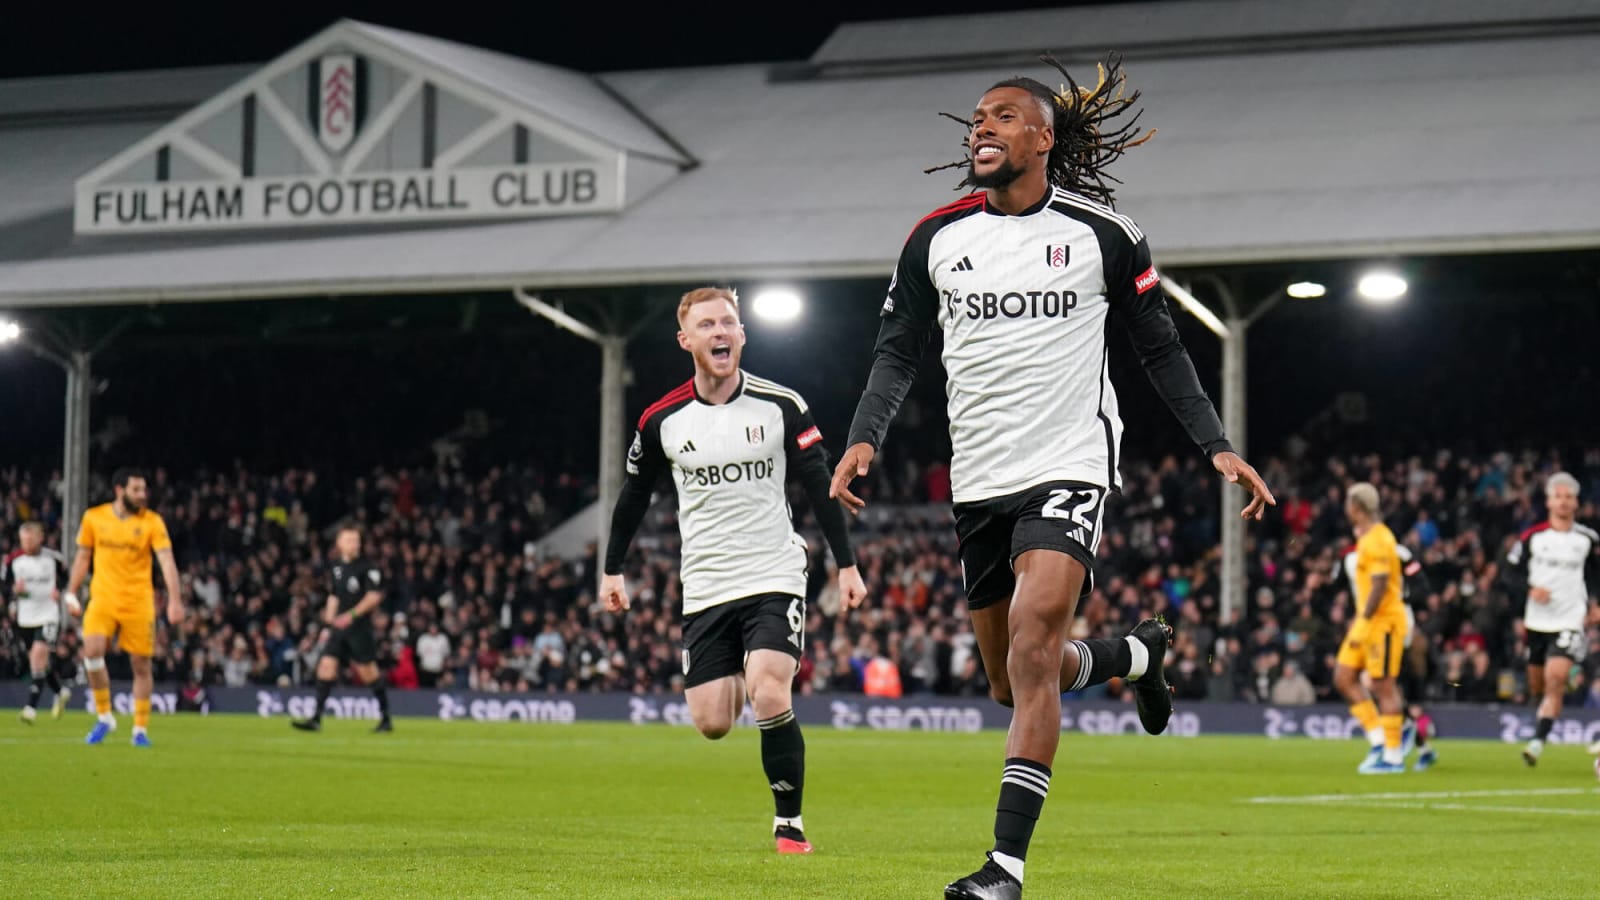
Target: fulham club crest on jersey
x: 756, y: 434
x: 335, y: 110
x: 1056, y: 255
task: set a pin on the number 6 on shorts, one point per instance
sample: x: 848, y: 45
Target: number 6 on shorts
x: 797, y: 620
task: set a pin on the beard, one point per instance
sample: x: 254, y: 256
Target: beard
x: 132, y: 505
x: 1000, y: 176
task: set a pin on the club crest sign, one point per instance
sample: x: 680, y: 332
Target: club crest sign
x: 334, y: 113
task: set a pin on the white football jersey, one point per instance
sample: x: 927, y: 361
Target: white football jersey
x: 1023, y: 302
x: 729, y: 465
x: 34, y: 580
x: 1556, y: 560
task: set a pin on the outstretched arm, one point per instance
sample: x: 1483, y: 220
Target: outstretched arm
x: 644, y: 467
x: 895, y: 360
x: 1143, y: 308
x: 1167, y: 364
x: 1514, y: 574
x: 909, y: 314
x: 808, y: 463
x: 894, y: 369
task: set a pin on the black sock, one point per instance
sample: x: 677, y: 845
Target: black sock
x: 1023, y: 787
x: 1543, y: 731
x: 324, y: 688
x: 1099, y: 661
x: 52, y: 679
x: 783, y: 758
x: 35, y: 689
x: 381, y: 691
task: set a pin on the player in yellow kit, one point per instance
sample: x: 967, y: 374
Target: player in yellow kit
x: 1377, y: 638
x: 121, y: 536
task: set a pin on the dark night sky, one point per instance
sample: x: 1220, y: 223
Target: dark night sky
x: 60, y: 39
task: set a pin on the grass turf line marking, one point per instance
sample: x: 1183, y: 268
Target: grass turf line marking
x: 1467, y: 807
x: 1425, y: 795
x: 1425, y: 800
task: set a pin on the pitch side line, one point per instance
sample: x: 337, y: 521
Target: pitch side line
x: 1467, y: 807
x: 1425, y: 795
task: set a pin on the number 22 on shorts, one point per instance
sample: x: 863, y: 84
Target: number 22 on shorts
x: 1075, y: 506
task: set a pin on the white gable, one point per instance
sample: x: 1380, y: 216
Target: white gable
x: 362, y: 124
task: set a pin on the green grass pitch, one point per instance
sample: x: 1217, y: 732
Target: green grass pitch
x: 239, y: 806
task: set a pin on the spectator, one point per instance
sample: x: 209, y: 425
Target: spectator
x: 404, y: 673
x: 433, y: 650
x: 1292, y: 687
x: 881, y: 678
x: 1479, y: 684
x: 1189, y: 678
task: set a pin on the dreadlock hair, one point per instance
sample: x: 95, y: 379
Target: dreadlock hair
x: 1088, y: 136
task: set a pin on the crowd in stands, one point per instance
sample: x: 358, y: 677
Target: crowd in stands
x: 474, y: 602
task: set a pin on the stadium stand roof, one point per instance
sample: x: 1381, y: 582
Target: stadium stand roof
x: 1287, y: 131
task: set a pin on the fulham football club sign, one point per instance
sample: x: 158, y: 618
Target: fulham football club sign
x: 353, y: 128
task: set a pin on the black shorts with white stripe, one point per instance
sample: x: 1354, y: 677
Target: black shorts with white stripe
x: 43, y: 634
x: 1542, y: 645
x: 1064, y: 516
x: 716, y: 641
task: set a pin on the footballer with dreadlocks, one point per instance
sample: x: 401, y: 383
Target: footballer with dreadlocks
x: 1023, y: 276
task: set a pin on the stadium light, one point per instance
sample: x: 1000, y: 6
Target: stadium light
x: 1305, y: 290
x: 9, y: 331
x: 777, y: 305
x: 1381, y: 287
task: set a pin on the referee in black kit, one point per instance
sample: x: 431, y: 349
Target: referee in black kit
x: 356, y: 589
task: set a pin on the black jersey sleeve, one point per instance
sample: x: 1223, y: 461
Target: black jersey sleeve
x: 1515, y: 574
x: 808, y: 464
x: 1591, y: 569
x: 371, y: 580
x: 909, y: 314
x: 644, y: 467
x: 1134, y: 290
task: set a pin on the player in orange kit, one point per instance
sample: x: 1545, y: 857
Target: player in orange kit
x: 1377, y: 637
x: 121, y: 536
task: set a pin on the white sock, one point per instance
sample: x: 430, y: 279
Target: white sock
x: 1375, y: 738
x: 1394, y: 756
x: 1141, y: 662
x: 780, y: 822
x: 108, y: 718
x: 1011, y: 864
x: 138, y: 730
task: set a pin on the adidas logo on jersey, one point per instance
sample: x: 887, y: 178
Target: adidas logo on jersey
x: 688, y: 447
x: 965, y: 265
